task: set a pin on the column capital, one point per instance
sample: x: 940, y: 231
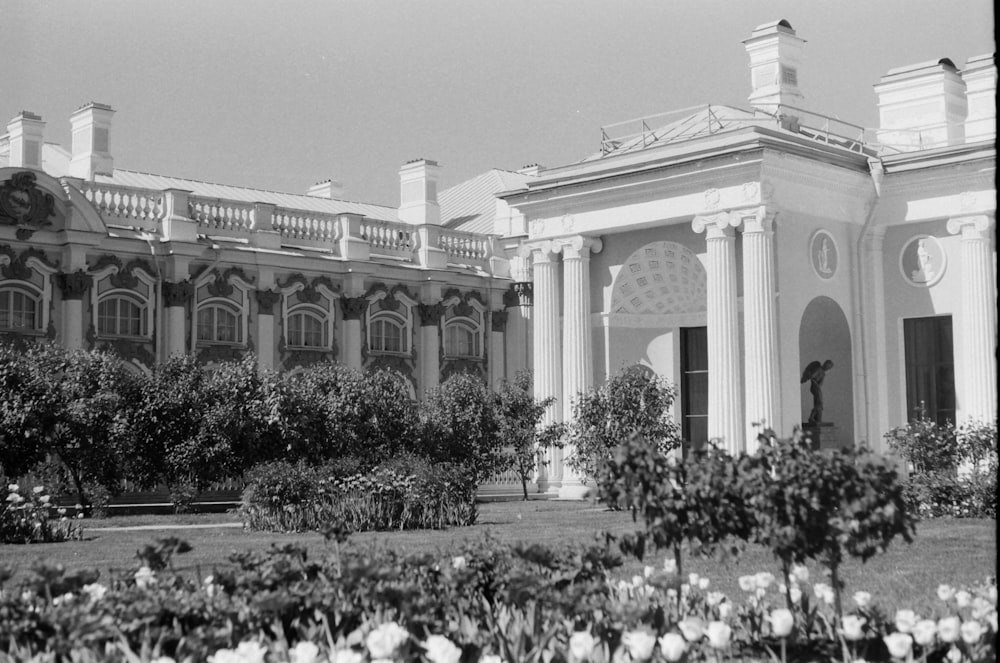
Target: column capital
x: 754, y: 219
x: 353, y: 307
x: 545, y: 251
x: 519, y: 294
x: 716, y: 226
x: 975, y: 226
x: 430, y: 314
x: 74, y: 285
x: 177, y: 294
x: 498, y: 321
x: 266, y: 299
x: 579, y: 246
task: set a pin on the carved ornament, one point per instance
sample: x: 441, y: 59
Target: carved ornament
x: 498, y: 321
x: 430, y: 314
x: 177, y: 294
x: 353, y: 307
x: 74, y: 285
x: 24, y: 205
x: 266, y: 299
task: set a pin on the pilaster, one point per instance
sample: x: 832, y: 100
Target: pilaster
x: 977, y: 324
x: 429, y: 359
x: 175, y: 300
x: 725, y: 384
x: 353, y: 309
x: 266, y: 300
x: 74, y: 286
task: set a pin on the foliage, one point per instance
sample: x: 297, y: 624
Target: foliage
x: 459, y: 423
x: 633, y: 402
x: 952, y: 470
x: 405, y: 492
x: 480, y: 601
x: 26, y: 516
x: 519, y: 416
x: 27, y: 412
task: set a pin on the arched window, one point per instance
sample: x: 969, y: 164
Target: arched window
x: 121, y: 316
x: 307, y: 330
x: 218, y: 323
x: 461, y: 339
x: 387, y: 333
x: 18, y: 310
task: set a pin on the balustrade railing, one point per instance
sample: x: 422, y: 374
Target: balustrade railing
x: 143, y: 208
x: 464, y: 246
x: 389, y: 238
x: 301, y: 225
x: 217, y: 216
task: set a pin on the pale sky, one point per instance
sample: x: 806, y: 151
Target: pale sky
x: 280, y: 95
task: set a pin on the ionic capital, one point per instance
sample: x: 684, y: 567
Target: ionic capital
x: 580, y: 247
x: 976, y: 226
x: 543, y: 252
x: 716, y: 226
x: 755, y: 219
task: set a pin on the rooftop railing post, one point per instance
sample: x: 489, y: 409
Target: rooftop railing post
x: 429, y: 255
x: 177, y: 224
x: 263, y: 235
x: 352, y: 245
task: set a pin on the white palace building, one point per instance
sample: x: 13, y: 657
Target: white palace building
x: 725, y: 248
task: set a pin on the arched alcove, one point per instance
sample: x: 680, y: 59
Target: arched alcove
x: 824, y: 334
x: 660, y: 278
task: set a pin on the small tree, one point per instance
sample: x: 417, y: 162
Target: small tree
x: 459, y: 423
x: 634, y: 402
x: 519, y: 416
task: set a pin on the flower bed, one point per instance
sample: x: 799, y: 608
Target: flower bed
x: 26, y: 516
x: 483, y: 602
x: 404, y: 493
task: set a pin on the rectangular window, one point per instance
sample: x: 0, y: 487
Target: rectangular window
x: 694, y: 386
x: 930, y: 368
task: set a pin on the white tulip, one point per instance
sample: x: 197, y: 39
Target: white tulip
x: 718, y: 634
x: 782, y: 622
x: 581, y: 646
x: 672, y: 646
x: 898, y: 644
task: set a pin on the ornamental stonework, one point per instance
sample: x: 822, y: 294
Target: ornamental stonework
x: 266, y: 299
x: 498, y: 321
x: 177, y: 294
x: 430, y: 314
x: 353, y: 307
x: 74, y: 285
x: 24, y: 205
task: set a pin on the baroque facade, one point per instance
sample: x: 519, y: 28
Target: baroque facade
x: 759, y: 258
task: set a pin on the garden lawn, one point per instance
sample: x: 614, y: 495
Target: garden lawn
x: 958, y: 552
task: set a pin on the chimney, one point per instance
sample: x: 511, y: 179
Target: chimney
x: 329, y: 189
x: 91, y: 126
x: 775, y: 54
x: 980, y: 76
x: 418, y: 202
x: 531, y: 170
x: 24, y: 135
x: 922, y: 106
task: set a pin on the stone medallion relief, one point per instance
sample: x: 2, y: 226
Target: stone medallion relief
x: 823, y: 254
x: 922, y: 261
x: 661, y: 278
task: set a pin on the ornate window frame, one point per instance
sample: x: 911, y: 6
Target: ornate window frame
x: 394, y: 307
x: 30, y: 274
x: 467, y: 313
x: 317, y: 300
x: 228, y: 291
x: 121, y: 283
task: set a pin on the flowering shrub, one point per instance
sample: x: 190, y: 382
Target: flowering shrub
x: 406, y: 492
x: 481, y: 602
x: 26, y: 517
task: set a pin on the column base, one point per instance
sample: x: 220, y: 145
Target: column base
x: 574, y: 490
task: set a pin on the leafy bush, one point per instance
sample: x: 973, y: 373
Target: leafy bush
x: 406, y: 492
x: 518, y: 419
x: 26, y: 517
x: 952, y: 470
x: 631, y: 403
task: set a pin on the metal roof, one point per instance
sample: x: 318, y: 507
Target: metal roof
x: 471, y: 205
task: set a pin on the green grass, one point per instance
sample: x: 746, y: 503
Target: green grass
x: 956, y: 552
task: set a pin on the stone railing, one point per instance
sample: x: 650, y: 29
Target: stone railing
x: 389, y: 238
x: 120, y: 205
x: 178, y: 215
x: 221, y: 217
x: 298, y: 226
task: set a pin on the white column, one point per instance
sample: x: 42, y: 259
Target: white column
x: 429, y: 359
x: 875, y: 347
x: 977, y: 324
x: 725, y: 384
x: 578, y: 359
x: 175, y: 299
x: 547, y: 355
x: 760, y: 325
x: 497, y: 362
x: 266, y: 299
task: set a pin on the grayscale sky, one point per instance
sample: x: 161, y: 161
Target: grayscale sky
x: 279, y: 95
